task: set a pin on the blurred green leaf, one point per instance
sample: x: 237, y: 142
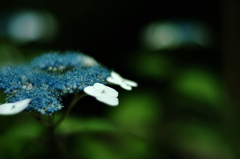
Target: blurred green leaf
x: 153, y: 65
x: 19, y: 132
x: 99, y: 139
x: 75, y: 125
x: 94, y: 149
x: 117, y: 146
x: 199, y: 85
x: 138, y: 112
x: 198, y: 140
x: 9, y: 54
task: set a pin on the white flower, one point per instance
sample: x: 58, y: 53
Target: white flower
x: 14, y: 108
x: 115, y: 78
x: 103, y: 93
x: 89, y: 61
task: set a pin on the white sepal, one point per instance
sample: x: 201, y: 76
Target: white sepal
x: 115, y: 78
x: 103, y: 93
x: 112, y: 101
x: 14, y: 108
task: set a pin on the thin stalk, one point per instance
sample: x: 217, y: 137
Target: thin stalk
x: 39, y: 119
x: 73, y: 103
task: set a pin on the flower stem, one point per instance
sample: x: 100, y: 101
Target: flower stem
x: 38, y: 118
x: 73, y: 103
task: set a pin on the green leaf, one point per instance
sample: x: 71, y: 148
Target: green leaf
x: 198, y: 140
x: 106, y: 146
x: 138, y: 112
x: 75, y: 125
x: 153, y: 65
x: 10, y: 54
x: 20, y: 131
x: 199, y: 85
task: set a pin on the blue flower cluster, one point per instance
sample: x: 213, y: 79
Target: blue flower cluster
x: 49, y: 78
x: 60, y: 62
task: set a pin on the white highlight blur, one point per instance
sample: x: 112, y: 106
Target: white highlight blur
x: 167, y: 35
x: 28, y: 26
x: 126, y: 84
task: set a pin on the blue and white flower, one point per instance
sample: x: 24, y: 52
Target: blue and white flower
x: 50, y: 77
x: 115, y: 78
x: 103, y: 93
x: 14, y: 108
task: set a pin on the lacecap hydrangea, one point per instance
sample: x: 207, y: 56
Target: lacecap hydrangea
x: 50, y: 77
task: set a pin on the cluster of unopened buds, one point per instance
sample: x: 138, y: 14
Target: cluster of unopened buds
x: 41, y: 85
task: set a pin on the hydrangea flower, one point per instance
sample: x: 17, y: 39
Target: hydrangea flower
x: 103, y: 93
x: 60, y: 62
x: 115, y: 78
x: 49, y: 78
x: 14, y: 108
x: 44, y: 99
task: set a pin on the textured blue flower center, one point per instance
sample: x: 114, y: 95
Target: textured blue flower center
x: 49, y: 78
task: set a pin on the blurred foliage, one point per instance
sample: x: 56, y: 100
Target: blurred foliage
x: 139, y: 113
x: 199, y: 85
x: 10, y: 54
x: 181, y: 120
x: 177, y: 112
x: 19, y: 136
x: 198, y: 140
x: 154, y: 67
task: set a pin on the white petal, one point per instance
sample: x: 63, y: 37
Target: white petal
x: 110, y: 91
x: 14, y: 108
x: 116, y: 76
x: 90, y: 90
x: 131, y: 83
x: 124, y: 83
x: 99, y: 86
x: 89, y: 61
x: 6, y: 107
x: 29, y: 87
x: 125, y: 86
x: 112, y: 101
x: 114, y: 81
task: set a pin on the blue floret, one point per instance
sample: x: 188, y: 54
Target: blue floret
x: 44, y: 99
x: 59, y: 62
x: 48, y: 78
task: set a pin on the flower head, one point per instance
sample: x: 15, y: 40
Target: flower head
x: 14, y: 108
x: 69, y: 73
x: 115, y: 78
x: 50, y: 77
x: 45, y: 99
x: 103, y: 93
x: 57, y: 62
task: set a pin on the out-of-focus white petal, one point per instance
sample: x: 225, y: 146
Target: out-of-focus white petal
x: 29, y: 87
x: 131, y: 83
x: 116, y: 76
x: 89, y: 61
x: 14, y: 108
x: 5, y: 107
x: 90, y: 90
x: 107, y: 99
x: 99, y: 86
x: 114, y: 81
x: 110, y: 91
x: 125, y: 86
